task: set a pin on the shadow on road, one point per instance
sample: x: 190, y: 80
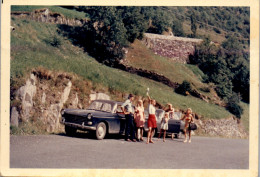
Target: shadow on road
x: 87, y: 135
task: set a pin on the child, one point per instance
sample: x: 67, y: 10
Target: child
x: 169, y: 109
x: 164, y: 126
x: 188, y: 118
x: 139, y: 119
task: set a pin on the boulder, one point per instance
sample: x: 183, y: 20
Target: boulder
x: 99, y: 96
x: 14, y: 117
x: 26, y: 94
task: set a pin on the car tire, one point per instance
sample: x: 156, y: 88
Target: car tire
x: 178, y: 135
x: 101, y: 131
x: 70, y: 131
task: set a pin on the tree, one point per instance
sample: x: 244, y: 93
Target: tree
x: 134, y: 22
x: 193, y: 25
x: 159, y: 17
x: 177, y: 28
x: 106, y: 33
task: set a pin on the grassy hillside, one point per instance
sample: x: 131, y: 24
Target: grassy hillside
x: 66, y: 12
x: 34, y: 49
x: 140, y: 57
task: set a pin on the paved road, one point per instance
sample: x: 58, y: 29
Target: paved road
x: 82, y: 151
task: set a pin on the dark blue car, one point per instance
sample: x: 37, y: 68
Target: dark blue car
x: 105, y: 117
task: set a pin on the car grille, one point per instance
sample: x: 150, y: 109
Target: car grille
x: 75, y: 119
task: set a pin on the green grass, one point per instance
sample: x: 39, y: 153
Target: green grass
x: 30, y: 50
x: 66, y: 12
x: 139, y: 56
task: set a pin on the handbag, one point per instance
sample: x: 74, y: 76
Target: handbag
x: 192, y: 126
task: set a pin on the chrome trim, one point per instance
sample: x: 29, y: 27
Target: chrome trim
x: 102, y: 117
x: 79, y: 126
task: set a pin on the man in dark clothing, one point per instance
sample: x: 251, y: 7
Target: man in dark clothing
x: 129, y: 115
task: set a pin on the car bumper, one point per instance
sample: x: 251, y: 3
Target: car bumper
x: 84, y: 127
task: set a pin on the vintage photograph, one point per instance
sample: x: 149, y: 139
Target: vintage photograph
x: 129, y: 87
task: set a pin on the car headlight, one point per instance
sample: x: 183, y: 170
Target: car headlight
x: 62, y: 112
x: 89, y: 116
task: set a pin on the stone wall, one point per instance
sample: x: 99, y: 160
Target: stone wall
x: 176, y: 48
x: 229, y: 128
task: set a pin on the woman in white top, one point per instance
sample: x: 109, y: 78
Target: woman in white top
x: 151, y: 119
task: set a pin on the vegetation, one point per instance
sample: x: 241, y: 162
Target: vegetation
x: 184, y: 88
x: 64, y: 11
x: 111, y: 29
x: 29, y: 51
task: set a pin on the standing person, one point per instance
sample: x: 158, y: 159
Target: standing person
x: 151, y: 119
x: 164, y: 125
x: 188, y: 118
x: 129, y: 116
x: 139, y: 120
x: 169, y: 109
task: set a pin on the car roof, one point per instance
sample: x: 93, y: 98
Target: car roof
x: 108, y: 101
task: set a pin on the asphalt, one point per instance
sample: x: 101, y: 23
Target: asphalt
x: 85, y: 152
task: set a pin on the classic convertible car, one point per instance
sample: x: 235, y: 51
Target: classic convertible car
x: 105, y: 117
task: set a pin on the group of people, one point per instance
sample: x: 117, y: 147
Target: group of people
x: 135, y: 120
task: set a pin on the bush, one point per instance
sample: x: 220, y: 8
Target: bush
x: 233, y: 105
x: 184, y: 88
x: 235, y: 109
x: 53, y: 41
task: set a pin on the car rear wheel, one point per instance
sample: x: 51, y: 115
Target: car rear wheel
x: 70, y: 131
x: 101, y: 131
x: 178, y: 135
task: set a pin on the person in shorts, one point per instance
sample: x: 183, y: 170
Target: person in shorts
x: 188, y: 118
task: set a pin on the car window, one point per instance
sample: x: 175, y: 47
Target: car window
x: 177, y: 115
x: 159, y: 114
x: 102, y: 106
x: 95, y: 105
x: 118, y: 108
x: 106, y: 107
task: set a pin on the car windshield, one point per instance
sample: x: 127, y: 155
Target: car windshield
x: 102, y: 106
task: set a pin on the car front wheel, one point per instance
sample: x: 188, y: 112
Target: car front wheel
x: 101, y: 131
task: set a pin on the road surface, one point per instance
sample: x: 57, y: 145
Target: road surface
x: 85, y: 152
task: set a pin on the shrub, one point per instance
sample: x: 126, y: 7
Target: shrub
x: 53, y: 41
x: 184, y: 88
x: 233, y: 105
x: 235, y: 109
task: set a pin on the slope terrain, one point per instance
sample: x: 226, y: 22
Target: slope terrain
x: 44, y: 47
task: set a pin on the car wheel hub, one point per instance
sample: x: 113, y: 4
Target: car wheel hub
x: 100, y: 131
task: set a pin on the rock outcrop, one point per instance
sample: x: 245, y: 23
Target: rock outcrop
x: 43, y: 97
x: 98, y: 96
x: 26, y: 94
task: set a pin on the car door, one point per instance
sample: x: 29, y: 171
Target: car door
x: 174, y: 125
x: 121, y: 117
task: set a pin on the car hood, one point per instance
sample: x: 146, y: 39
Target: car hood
x: 85, y: 112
